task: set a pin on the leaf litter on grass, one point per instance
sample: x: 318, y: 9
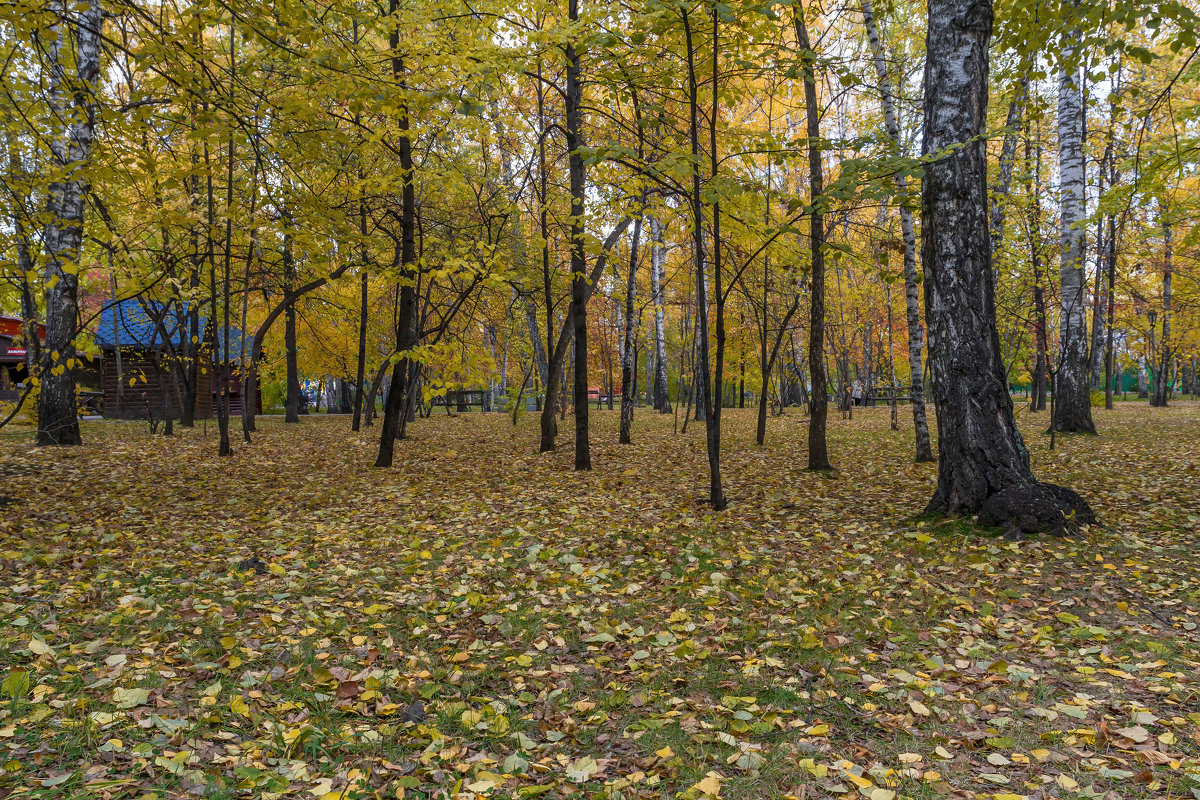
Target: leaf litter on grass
x: 482, y: 621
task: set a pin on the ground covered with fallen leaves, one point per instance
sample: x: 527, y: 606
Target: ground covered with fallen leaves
x: 481, y: 621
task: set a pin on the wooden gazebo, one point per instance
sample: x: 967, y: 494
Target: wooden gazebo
x: 148, y: 336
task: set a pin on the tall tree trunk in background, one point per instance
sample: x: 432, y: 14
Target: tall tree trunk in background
x: 548, y: 423
x: 1163, y: 369
x: 818, y: 450
x: 1008, y: 155
x: 702, y: 371
x: 364, y: 291
x: 1041, y: 366
x: 650, y: 367
x: 222, y: 347
x: 713, y: 424
x: 1072, y: 393
x: 924, y: 452
x: 70, y: 152
x: 628, y: 365
x: 1096, y: 350
x: 535, y: 340
x: 557, y: 358
x: 983, y: 465
x: 1110, y: 302
x: 292, y: 401
x: 579, y: 288
x: 406, y: 313
x: 361, y: 373
x: 658, y: 261
x: 249, y: 371
x: 767, y: 359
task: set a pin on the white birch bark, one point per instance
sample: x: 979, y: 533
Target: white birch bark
x: 1072, y: 401
x: 73, y: 107
x: 658, y: 261
x: 911, y: 300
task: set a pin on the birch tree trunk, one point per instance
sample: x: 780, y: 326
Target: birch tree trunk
x: 983, y: 466
x: 628, y: 365
x: 1099, y: 304
x: 1008, y: 155
x: 1041, y: 366
x: 535, y: 339
x: 70, y: 154
x: 1110, y: 301
x: 1072, y: 401
x: 658, y: 261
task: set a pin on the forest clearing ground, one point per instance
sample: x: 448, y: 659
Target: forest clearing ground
x: 599, y: 634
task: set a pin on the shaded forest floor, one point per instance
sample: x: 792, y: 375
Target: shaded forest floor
x: 483, y: 621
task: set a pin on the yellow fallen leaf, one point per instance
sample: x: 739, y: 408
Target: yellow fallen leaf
x: 858, y: 780
x: 709, y: 785
x: 238, y: 706
x: 40, y: 648
x: 882, y: 794
x: 1135, y: 733
x: 918, y: 708
x: 130, y: 698
x: 1067, y: 782
x: 666, y: 752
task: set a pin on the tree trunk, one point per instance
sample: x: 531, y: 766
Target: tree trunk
x: 1072, y: 401
x: 579, y: 289
x: 818, y: 451
x: 767, y: 360
x: 292, y: 402
x: 924, y: 452
x: 1008, y: 155
x: 249, y: 374
x: 702, y: 372
x: 406, y: 314
x: 222, y: 348
x: 1099, y: 304
x: 713, y: 423
x: 1161, y: 378
x: 628, y: 365
x: 66, y: 202
x: 658, y: 260
x: 983, y: 466
x: 1041, y: 367
x: 1110, y: 303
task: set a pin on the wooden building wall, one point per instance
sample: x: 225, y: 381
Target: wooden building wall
x: 144, y: 397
